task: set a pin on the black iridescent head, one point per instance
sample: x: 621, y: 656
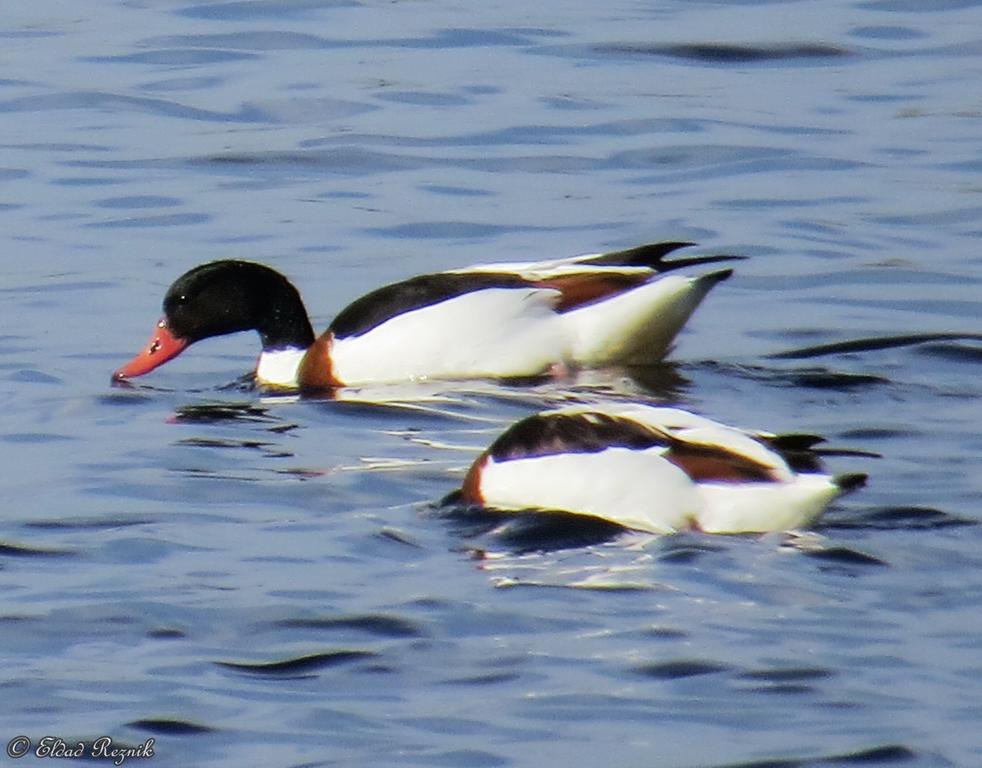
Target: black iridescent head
x: 228, y: 296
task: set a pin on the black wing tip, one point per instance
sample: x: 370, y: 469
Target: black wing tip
x: 653, y: 255
x: 648, y: 254
x: 698, y: 261
x: 695, y: 261
x: 795, y: 441
x: 850, y: 482
x: 712, y: 278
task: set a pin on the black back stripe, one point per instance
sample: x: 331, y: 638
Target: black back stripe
x: 558, y: 433
x: 390, y: 301
x: 592, y: 432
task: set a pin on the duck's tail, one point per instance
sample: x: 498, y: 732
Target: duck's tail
x: 652, y: 255
x: 638, y: 326
x: 849, y: 482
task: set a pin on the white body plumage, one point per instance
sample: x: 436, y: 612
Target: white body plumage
x: 651, y: 469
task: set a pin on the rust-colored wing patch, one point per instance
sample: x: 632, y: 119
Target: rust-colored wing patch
x: 583, y: 288
x: 708, y: 463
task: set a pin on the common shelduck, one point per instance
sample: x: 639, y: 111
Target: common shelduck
x: 486, y: 321
x: 654, y: 469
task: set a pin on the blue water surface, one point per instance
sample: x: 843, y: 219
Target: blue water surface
x: 258, y: 580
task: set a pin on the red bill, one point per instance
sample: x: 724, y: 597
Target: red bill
x: 163, y: 346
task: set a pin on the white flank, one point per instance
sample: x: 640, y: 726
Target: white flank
x: 278, y: 367
x: 501, y: 332
x: 637, y: 489
x: 495, y: 332
x: 637, y: 326
x: 759, y: 507
x: 634, y: 327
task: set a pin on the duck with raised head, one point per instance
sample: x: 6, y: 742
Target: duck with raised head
x: 486, y: 321
x: 654, y: 469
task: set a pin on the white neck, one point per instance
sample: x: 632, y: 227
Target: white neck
x: 278, y: 367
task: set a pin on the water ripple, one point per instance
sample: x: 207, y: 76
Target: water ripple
x: 247, y: 10
x: 299, y: 665
x: 378, y: 625
x: 174, y: 57
x: 99, y: 100
x: 679, y: 669
x: 170, y: 727
x: 281, y: 40
x: 729, y: 53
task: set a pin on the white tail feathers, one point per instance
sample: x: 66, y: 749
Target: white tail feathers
x: 638, y: 326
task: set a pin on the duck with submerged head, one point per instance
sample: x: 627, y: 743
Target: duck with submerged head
x: 485, y: 321
x: 655, y: 469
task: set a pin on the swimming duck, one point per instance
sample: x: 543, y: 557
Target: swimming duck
x: 654, y: 469
x: 485, y: 321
